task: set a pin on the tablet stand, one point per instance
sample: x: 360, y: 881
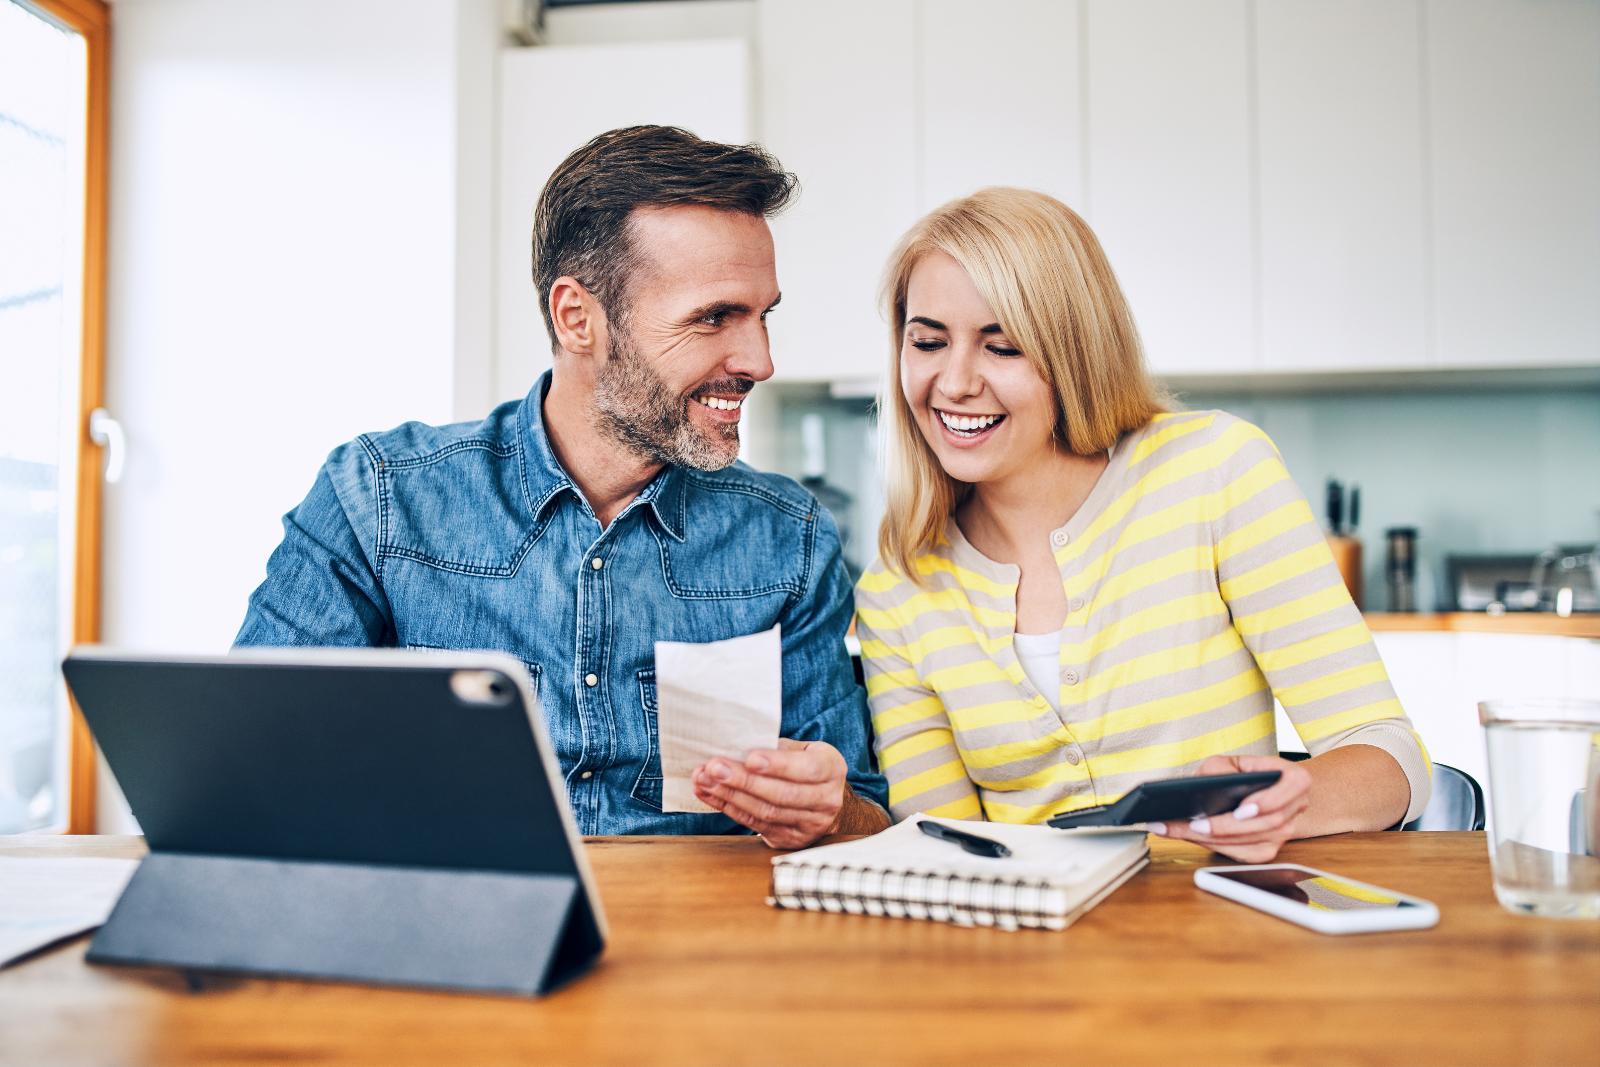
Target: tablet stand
x: 486, y: 931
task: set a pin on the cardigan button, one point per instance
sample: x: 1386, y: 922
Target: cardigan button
x: 1059, y: 538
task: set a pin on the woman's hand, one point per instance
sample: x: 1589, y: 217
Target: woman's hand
x: 1259, y: 826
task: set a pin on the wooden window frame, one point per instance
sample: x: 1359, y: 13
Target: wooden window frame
x: 91, y: 19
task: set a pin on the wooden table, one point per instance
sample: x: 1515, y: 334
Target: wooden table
x: 700, y: 971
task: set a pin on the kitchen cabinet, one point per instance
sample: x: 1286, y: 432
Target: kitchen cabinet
x: 837, y: 88
x: 555, y: 98
x: 1000, y: 98
x: 1514, y: 139
x: 1283, y: 188
x: 1343, y: 250
x: 1170, y: 180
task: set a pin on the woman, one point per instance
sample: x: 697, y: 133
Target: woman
x: 1079, y: 590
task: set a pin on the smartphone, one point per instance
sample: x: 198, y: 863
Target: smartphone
x: 1326, y: 903
x: 1171, y: 798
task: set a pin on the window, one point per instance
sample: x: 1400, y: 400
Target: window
x: 52, y: 195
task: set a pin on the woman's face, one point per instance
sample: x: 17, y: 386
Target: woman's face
x: 980, y: 404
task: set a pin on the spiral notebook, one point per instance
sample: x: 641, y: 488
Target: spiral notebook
x: 1049, y: 880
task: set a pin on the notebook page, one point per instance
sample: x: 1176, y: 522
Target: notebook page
x: 1038, y: 853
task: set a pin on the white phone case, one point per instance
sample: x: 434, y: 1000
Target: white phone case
x: 1421, y: 915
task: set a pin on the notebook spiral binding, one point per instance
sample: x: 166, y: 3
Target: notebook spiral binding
x: 1005, y: 903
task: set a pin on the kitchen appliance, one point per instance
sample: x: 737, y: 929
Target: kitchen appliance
x: 1492, y: 583
x: 1566, y: 578
x: 1402, y: 567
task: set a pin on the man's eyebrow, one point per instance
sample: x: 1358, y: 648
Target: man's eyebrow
x: 923, y: 320
x: 723, y: 307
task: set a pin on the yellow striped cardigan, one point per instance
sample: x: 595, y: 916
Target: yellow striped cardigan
x: 1198, y: 585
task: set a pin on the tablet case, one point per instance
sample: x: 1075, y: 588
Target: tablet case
x: 1170, y: 798
x: 371, y: 815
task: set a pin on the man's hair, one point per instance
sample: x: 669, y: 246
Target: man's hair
x: 580, y: 227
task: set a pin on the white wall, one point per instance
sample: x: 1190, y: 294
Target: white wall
x: 300, y: 223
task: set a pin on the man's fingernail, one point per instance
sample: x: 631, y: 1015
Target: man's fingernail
x: 1247, y: 810
x: 1202, y: 825
x: 1157, y: 828
x: 757, y: 763
x: 721, y: 772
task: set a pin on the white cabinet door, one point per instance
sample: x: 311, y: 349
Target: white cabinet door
x: 1170, y: 180
x: 1424, y: 669
x: 1000, y: 98
x: 838, y: 87
x: 1514, y: 109
x: 1583, y: 669
x: 1343, y: 219
x: 555, y: 98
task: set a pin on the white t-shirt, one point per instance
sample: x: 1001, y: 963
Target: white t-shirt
x: 1040, y: 655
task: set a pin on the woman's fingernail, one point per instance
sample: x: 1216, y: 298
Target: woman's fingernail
x: 1247, y: 810
x: 757, y: 763
x: 721, y: 772
x: 1202, y: 825
x: 1157, y: 828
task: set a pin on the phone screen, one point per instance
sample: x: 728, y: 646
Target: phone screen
x: 1316, y: 890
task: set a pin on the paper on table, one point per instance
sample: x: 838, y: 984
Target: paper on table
x: 722, y: 698
x: 45, y: 900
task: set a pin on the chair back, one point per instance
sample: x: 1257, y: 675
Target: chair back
x: 1456, y: 803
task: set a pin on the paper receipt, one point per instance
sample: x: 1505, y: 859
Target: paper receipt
x: 721, y: 698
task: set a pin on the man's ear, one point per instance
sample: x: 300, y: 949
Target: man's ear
x: 579, y: 322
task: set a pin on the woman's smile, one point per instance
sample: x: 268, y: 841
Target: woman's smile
x: 966, y: 430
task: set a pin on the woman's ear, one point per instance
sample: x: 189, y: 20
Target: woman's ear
x: 574, y: 314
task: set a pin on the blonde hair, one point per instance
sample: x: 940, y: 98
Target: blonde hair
x: 1043, y: 274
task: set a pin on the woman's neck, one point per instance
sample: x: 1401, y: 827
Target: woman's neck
x: 1004, y: 517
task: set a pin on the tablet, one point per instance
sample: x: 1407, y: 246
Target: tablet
x: 1171, y: 798
x: 373, y: 814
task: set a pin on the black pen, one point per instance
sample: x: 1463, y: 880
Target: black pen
x: 978, y: 846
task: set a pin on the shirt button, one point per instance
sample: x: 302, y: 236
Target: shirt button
x: 1075, y: 604
x: 591, y: 680
x: 586, y: 775
x: 1059, y: 538
x: 1071, y: 678
x: 1073, y: 757
x: 597, y: 563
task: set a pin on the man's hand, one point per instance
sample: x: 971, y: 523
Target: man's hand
x: 1259, y: 826
x: 790, y: 795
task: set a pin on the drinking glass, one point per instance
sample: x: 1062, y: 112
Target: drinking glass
x: 1544, y: 795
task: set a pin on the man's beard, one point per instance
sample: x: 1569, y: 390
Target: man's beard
x: 637, y: 409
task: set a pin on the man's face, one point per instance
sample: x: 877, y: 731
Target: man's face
x: 693, y: 340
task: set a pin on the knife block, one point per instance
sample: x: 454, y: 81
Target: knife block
x: 1347, y: 557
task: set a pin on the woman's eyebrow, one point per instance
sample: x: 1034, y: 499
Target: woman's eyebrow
x: 923, y: 320
x: 993, y: 327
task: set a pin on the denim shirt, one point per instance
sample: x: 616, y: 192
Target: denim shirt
x: 472, y: 536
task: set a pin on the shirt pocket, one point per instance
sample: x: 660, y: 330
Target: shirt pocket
x: 647, y: 787
x: 534, y: 670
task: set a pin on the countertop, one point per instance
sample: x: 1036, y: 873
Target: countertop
x: 1512, y: 622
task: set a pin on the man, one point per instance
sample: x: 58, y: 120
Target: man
x: 605, y: 511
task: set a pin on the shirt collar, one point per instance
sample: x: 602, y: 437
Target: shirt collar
x: 547, y: 479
